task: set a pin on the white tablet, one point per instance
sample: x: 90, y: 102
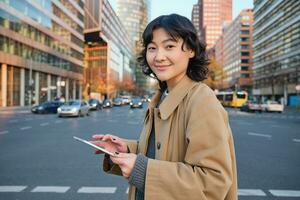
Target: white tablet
x: 95, y: 146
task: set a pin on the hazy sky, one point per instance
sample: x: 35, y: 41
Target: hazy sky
x: 184, y: 7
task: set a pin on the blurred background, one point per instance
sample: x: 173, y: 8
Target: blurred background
x: 76, y: 59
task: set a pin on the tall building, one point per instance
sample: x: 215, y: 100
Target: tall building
x: 135, y: 15
x: 108, y: 51
x: 237, y: 52
x: 213, y: 14
x: 277, y: 50
x: 41, y: 51
x: 196, y: 18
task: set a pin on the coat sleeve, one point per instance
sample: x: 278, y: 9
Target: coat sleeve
x: 206, y: 172
x: 113, y: 168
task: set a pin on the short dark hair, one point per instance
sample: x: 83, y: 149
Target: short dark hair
x: 177, y: 27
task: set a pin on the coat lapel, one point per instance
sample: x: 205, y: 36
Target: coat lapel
x: 175, y: 97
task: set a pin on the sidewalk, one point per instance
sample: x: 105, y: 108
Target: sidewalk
x: 15, y: 109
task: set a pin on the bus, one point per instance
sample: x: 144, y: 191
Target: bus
x: 232, y: 98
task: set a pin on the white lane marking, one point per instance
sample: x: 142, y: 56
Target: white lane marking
x: 56, y: 189
x: 44, y: 124
x: 58, y: 121
x: 13, y: 121
x: 276, y: 126
x: 97, y: 190
x: 259, y: 135
x: 3, y: 132
x: 11, y: 188
x: 127, y: 190
x: 251, y: 192
x: 28, y: 119
x: 285, y: 193
x: 25, y: 128
x: 296, y: 140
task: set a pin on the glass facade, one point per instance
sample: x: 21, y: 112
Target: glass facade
x: 47, y: 39
x: 276, y: 48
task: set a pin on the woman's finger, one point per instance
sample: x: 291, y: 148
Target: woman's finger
x: 97, y: 137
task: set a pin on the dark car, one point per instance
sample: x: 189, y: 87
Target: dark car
x: 95, y: 104
x: 107, y: 103
x: 136, y: 103
x: 251, y: 106
x: 117, y: 102
x: 46, y: 107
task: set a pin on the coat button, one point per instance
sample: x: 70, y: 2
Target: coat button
x: 158, y: 145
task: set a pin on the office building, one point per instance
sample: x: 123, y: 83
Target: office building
x: 277, y: 50
x: 41, y: 51
x: 108, y: 52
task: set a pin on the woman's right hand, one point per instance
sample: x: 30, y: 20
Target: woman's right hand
x: 110, y: 142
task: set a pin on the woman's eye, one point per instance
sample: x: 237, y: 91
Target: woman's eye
x: 151, y: 48
x: 170, y: 46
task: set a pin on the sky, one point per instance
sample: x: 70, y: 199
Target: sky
x: 184, y: 7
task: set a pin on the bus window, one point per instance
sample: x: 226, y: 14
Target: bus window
x: 228, y: 97
x: 241, y: 96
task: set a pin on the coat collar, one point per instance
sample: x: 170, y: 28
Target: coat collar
x: 174, y: 97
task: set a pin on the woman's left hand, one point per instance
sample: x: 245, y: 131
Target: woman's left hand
x: 126, y: 162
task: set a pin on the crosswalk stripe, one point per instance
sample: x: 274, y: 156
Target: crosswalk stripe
x: 285, y: 193
x: 25, y: 128
x: 3, y: 132
x: 251, y: 192
x: 260, y: 135
x: 296, y: 140
x: 56, y: 189
x: 6, y: 188
x: 97, y: 190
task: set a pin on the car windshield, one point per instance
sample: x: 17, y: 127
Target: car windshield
x: 72, y: 103
x: 136, y: 100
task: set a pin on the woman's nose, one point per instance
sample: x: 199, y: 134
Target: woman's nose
x: 160, y: 56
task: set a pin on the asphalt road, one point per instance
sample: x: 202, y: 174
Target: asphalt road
x: 39, y: 159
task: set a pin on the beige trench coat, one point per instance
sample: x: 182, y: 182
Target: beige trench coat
x: 194, y: 157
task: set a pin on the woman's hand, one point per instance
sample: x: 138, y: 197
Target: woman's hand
x: 110, y: 142
x: 126, y: 162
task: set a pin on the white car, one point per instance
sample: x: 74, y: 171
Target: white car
x: 272, y: 106
x: 74, y: 108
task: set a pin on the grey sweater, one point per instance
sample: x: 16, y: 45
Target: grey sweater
x: 138, y: 175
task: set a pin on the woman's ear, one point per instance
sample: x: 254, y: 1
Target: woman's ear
x: 191, y: 53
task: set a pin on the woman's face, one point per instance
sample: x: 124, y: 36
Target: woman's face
x: 166, y: 58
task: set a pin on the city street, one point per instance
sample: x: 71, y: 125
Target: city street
x: 39, y: 159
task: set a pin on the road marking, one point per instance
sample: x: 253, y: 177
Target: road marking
x: 3, y: 132
x: 285, y: 193
x: 28, y: 119
x: 127, y: 190
x: 13, y: 121
x: 251, y: 192
x: 244, y: 123
x: 296, y: 140
x: 259, y: 135
x: 44, y: 124
x: 12, y: 188
x: 56, y: 189
x: 58, y: 121
x: 25, y: 128
x: 97, y: 190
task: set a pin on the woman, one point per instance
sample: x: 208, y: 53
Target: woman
x: 186, y: 149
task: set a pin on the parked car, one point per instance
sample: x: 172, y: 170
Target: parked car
x: 46, y: 107
x: 251, y: 106
x: 107, y: 103
x: 126, y: 99
x: 272, y: 106
x: 136, y: 103
x: 117, y: 102
x: 74, y: 108
x: 95, y: 104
